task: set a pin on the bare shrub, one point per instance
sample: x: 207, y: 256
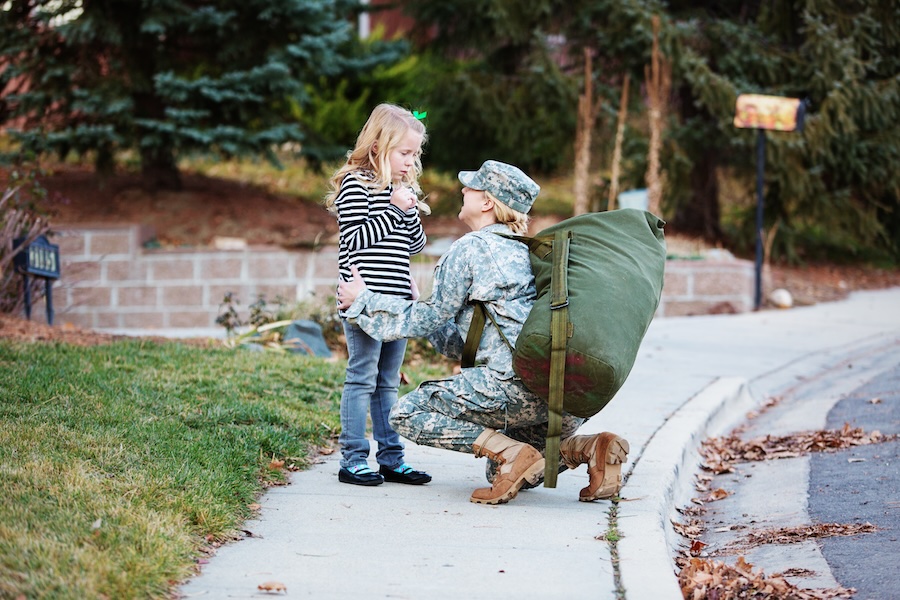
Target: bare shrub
x: 17, y: 220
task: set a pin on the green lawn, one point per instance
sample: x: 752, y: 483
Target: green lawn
x: 119, y: 462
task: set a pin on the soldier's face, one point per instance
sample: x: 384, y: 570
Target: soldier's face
x: 471, y: 211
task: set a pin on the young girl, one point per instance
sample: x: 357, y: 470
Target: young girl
x: 375, y: 197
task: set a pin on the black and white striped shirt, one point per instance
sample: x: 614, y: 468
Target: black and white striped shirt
x: 376, y: 236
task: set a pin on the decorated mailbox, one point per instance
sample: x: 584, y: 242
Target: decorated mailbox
x: 758, y: 111
x: 39, y: 259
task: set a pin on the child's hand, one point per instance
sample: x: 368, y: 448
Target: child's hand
x: 404, y: 198
x: 414, y: 289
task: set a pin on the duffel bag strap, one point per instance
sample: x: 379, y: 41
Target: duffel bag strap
x: 473, y: 337
x: 559, y: 330
x: 476, y: 328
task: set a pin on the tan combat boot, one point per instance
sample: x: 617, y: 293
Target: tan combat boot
x: 518, y: 462
x: 604, y: 454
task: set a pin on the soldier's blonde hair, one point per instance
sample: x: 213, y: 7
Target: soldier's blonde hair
x: 515, y: 220
x: 384, y: 130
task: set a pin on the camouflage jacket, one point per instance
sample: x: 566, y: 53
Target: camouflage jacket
x: 478, y: 266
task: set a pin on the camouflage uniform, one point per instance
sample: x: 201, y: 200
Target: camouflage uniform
x: 450, y: 413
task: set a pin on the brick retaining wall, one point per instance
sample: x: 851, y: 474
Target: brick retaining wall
x: 109, y: 280
x: 707, y: 286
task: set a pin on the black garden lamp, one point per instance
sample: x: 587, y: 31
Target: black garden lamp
x: 39, y: 259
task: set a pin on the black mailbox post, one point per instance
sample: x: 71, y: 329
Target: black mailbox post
x: 39, y: 259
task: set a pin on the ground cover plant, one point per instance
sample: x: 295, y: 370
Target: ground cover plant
x: 121, y: 461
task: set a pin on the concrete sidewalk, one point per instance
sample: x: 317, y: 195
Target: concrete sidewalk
x: 694, y: 377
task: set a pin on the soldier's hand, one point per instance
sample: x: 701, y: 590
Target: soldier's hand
x: 349, y: 290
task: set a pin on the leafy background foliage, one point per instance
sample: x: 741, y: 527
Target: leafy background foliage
x: 499, y: 79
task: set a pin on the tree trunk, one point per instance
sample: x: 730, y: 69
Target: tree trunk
x: 104, y: 163
x: 617, y: 151
x: 659, y: 79
x: 701, y: 216
x: 586, y: 119
x: 158, y: 169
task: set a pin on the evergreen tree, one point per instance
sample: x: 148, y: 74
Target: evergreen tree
x: 168, y: 77
x: 835, y: 187
x: 492, y: 86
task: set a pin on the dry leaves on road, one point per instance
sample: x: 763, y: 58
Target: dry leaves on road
x: 712, y: 580
x: 720, y: 453
x: 793, y: 535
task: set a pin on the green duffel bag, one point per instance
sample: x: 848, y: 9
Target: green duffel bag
x: 599, y: 280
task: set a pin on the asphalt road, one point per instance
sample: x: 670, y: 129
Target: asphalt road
x: 856, y: 485
x: 862, y: 485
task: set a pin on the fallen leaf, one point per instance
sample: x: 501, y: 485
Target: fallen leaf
x: 254, y: 506
x: 272, y: 586
x: 717, y: 494
x: 690, y: 530
x: 798, y: 572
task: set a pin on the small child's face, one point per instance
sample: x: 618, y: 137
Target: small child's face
x: 403, y: 156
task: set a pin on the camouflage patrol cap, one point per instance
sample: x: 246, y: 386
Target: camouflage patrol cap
x: 505, y: 182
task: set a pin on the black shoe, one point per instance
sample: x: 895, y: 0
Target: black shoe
x: 404, y: 474
x: 360, y: 475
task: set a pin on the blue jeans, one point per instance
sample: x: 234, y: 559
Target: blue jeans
x: 372, y: 380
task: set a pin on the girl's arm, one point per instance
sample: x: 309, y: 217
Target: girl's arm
x: 417, y: 238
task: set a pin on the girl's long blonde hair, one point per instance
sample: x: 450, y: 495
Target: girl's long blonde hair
x: 383, y: 131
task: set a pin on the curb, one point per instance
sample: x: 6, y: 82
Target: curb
x: 660, y: 480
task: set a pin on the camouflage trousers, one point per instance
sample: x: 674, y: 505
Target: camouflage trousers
x: 451, y: 413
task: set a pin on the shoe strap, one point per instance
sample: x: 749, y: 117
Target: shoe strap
x: 360, y: 469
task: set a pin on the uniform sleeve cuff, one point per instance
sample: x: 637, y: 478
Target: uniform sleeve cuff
x: 359, y: 305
